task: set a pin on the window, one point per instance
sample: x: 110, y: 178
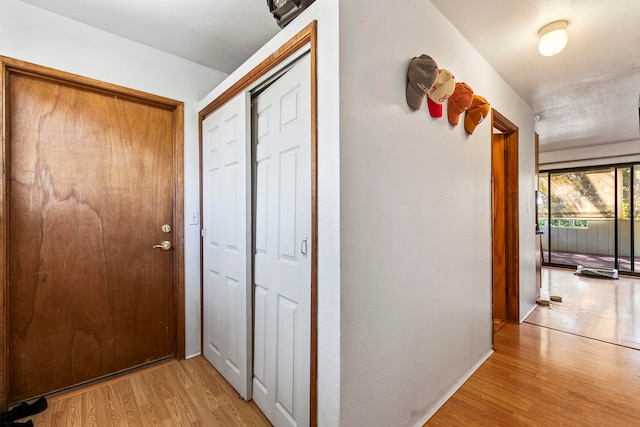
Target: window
x: 591, y: 216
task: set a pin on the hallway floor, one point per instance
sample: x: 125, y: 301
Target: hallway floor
x: 577, y: 370
x: 177, y: 393
x: 603, y: 309
x: 537, y: 376
x: 542, y: 377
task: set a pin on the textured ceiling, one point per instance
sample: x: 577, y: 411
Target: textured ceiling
x: 216, y: 33
x: 588, y: 94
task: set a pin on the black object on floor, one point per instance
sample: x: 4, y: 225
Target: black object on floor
x: 16, y: 424
x: 23, y: 410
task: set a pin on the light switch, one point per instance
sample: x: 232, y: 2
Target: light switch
x: 194, y: 217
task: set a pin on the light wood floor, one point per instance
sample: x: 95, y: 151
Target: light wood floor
x: 543, y: 377
x: 537, y: 377
x: 185, y: 393
x: 607, y: 310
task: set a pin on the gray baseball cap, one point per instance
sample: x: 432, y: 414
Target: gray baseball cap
x: 422, y: 74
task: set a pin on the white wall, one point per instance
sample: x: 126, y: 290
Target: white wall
x: 607, y: 154
x: 326, y: 13
x: 416, y: 217
x: 41, y: 37
x: 404, y: 305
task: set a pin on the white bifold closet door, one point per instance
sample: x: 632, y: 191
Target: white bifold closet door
x: 226, y: 193
x: 282, y: 258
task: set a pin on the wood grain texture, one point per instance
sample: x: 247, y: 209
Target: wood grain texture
x: 4, y: 208
x: 541, y: 377
x: 601, y: 309
x: 313, y: 395
x: 498, y: 209
x: 185, y: 393
x: 511, y: 223
x: 178, y: 230
x: 92, y: 179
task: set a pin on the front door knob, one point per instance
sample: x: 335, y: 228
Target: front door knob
x: 165, y: 246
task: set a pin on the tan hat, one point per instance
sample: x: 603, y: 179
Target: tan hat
x: 477, y: 112
x: 440, y: 91
x: 421, y: 74
x: 459, y: 101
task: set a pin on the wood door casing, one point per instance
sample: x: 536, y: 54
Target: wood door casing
x: 510, y: 268
x: 91, y: 177
x: 539, y: 237
x: 499, y: 227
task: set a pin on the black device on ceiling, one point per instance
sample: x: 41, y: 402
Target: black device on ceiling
x: 285, y: 10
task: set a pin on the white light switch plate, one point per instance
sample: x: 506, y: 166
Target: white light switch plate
x: 194, y: 217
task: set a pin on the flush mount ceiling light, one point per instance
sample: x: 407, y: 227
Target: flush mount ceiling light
x: 553, y: 38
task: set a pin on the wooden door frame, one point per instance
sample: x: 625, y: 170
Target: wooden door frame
x: 539, y: 236
x: 307, y: 35
x: 10, y: 66
x: 512, y: 216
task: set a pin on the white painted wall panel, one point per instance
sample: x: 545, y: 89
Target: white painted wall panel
x: 416, y: 216
x: 582, y: 240
x: 259, y: 331
x: 285, y: 385
x: 231, y: 324
x: 262, y: 200
x: 562, y: 240
x: 592, y: 241
x: 231, y: 206
x: 612, y: 237
x: 572, y: 242
x: 286, y: 208
x: 597, y: 238
x: 213, y: 284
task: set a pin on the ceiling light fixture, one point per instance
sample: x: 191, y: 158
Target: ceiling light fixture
x: 553, y: 38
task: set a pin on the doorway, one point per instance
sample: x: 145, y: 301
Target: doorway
x: 505, y: 221
x: 249, y: 306
x: 91, y: 248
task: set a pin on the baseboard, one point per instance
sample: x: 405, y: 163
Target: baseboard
x: 453, y: 390
x: 193, y: 355
x: 527, y: 315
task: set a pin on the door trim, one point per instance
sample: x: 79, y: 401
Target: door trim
x: 307, y: 35
x: 10, y: 66
x: 512, y: 216
x: 539, y: 237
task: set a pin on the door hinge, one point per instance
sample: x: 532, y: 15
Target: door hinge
x: 203, y: 233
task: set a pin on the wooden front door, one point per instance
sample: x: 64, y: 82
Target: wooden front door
x: 90, y: 181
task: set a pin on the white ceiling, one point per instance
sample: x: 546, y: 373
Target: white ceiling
x: 588, y: 94
x: 217, y: 33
